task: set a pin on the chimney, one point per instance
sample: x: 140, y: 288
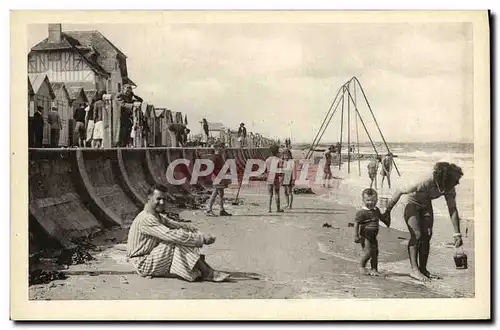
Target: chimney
x: 55, y: 31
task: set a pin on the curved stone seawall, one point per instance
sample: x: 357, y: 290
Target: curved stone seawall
x: 74, y: 193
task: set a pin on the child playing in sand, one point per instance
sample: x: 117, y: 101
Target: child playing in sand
x: 273, y: 184
x: 289, y: 177
x: 366, y: 230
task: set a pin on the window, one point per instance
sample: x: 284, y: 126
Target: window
x: 119, y: 87
x: 54, y: 57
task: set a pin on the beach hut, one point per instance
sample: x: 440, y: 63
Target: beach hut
x: 78, y: 97
x: 168, y: 137
x: 177, y: 117
x: 159, y: 126
x: 43, y: 95
x: 31, y: 112
x: 63, y: 104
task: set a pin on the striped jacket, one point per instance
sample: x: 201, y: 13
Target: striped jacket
x: 149, y: 230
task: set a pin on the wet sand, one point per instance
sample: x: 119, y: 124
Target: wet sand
x: 272, y: 256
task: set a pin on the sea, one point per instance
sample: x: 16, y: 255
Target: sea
x: 414, y: 162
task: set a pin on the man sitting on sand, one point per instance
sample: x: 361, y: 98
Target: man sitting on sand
x: 159, y: 247
x: 273, y: 162
x: 366, y: 230
x: 327, y: 171
x: 372, y: 171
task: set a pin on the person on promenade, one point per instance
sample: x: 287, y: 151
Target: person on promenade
x: 372, y: 171
x: 327, y: 171
x: 218, y: 190
x: 89, y: 123
x: 159, y: 247
x: 419, y: 215
x: 54, y: 121
x: 98, y: 134
x: 37, y: 127
x: 273, y: 184
x: 289, y: 177
x: 79, y: 130
x: 386, y: 169
x: 206, y: 132
x: 242, y: 135
x: 366, y: 230
x: 126, y: 101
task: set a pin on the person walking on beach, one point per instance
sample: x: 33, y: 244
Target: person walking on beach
x: 327, y: 171
x: 218, y: 190
x: 419, y: 215
x: 289, y: 177
x: 386, y: 169
x: 372, y: 171
x: 158, y: 246
x: 273, y: 162
x: 366, y: 230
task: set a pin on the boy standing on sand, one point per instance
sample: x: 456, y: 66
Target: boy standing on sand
x: 372, y: 171
x: 289, y: 177
x: 366, y: 230
x: 218, y: 189
x: 386, y: 169
x: 273, y: 184
x: 327, y: 171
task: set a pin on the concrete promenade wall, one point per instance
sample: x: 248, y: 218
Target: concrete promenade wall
x: 74, y: 193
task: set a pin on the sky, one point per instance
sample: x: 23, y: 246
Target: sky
x: 281, y: 79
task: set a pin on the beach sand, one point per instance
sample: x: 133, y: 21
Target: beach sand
x: 273, y: 256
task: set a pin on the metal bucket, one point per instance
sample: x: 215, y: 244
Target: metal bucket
x: 460, y: 259
x: 382, y: 202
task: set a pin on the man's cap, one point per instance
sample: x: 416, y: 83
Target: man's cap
x: 331, y: 147
x: 39, y: 107
x: 242, y: 124
x: 54, y: 108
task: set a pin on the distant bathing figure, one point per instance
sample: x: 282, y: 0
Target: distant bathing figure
x: 273, y: 184
x: 289, y: 177
x: 327, y: 171
x: 372, y: 171
x: 386, y: 169
x: 419, y: 215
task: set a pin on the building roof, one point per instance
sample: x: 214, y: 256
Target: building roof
x: 30, y: 87
x: 37, y: 80
x: 90, y: 94
x: 85, y: 43
x: 127, y: 80
x: 160, y: 112
x: 58, y: 85
x: 74, y: 92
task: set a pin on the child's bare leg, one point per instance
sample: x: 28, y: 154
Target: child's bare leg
x: 291, y: 196
x: 270, y: 192
x: 364, y: 259
x: 212, y: 199
x: 277, y: 192
x: 374, y: 258
x: 221, y: 198
x: 287, y: 197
